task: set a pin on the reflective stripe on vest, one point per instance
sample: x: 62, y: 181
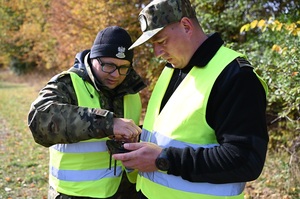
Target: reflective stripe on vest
x: 182, y: 123
x: 171, y: 181
x: 81, y: 169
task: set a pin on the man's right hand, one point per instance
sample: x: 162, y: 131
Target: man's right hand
x: 126, y: 130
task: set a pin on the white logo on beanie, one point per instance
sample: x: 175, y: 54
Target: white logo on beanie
x: 121, y: 51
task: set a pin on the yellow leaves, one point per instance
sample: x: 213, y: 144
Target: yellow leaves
x: 294, y: 28
x: 279, y: 49
x: 253, y: 24
x: 245, y: 28
x: 261, y: 23
x: 276, y: 48
x: 30, y: 31
x: 295, y: 73
x: 274, y: 25
x: 279, y: 27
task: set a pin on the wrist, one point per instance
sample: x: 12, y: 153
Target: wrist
x: 162, y: 162
x: 103, y: 122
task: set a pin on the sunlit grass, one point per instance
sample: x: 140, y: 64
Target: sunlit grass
x: 24, y: 164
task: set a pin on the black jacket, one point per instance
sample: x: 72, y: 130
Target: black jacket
x: 236, y: 111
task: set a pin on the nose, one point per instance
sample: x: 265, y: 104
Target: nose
x: 115, y: 73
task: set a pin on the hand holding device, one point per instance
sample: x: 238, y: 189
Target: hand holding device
x: 114, y: 147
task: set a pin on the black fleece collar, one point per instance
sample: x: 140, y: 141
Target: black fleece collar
x: 206, y: 51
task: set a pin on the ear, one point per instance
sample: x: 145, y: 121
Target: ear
x: 187, y: 24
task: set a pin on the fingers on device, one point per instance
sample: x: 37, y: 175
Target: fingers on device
x: 113, y: 148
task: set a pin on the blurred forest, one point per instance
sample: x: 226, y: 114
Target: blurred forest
x: 43, y: 36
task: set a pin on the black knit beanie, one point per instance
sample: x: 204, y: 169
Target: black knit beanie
x: 114, y: 42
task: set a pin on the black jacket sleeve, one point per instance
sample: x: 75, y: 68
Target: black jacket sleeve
x: 236, y: 111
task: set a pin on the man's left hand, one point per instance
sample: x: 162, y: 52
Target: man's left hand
x: 141, y: 157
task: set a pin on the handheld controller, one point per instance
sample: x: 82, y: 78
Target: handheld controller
x: 116, y: 146
x: 113, y: 148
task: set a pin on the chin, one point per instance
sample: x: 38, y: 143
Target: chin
x: 111, y: 87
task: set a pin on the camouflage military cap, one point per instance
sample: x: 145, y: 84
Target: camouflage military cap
x: 160, y: 13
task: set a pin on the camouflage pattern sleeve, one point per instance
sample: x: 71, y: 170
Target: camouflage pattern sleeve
x: 54, y: 116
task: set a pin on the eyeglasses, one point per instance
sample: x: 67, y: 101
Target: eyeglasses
x: 110, y: 68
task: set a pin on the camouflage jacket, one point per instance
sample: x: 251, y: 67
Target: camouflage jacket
x: 55, y: 116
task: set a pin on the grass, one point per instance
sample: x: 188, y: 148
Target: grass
x: 23, y: 168
x: 277, y: 180
x: 24, y: 164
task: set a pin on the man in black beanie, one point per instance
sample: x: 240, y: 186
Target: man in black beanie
x: 79, y: 109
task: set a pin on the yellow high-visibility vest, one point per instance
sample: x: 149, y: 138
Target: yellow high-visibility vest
x: 82, y: 169
x: 182, y: 123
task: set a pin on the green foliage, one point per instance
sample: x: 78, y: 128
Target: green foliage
x: 22, y: 32
x: 279, y: 65
x: 221, y: 16
x: 271, y: 45
x: 19, y: 67
x: 275, y: 50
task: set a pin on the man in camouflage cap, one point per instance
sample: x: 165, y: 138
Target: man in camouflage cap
x: 79, y: 109
x: 170, y: 11
x: 204, y: 133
